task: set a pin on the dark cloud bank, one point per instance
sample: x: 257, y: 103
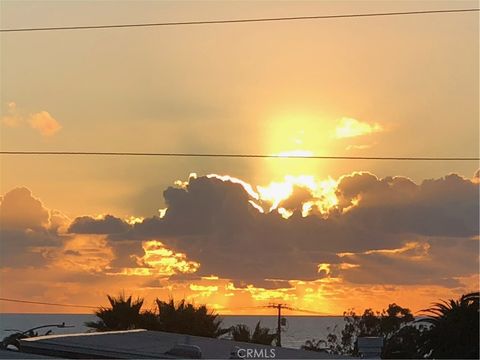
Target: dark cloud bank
x: 28, y: 231
x: 399, y: 233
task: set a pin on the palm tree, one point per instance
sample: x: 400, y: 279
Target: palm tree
x: 123, y: 314
x: 260, y: 335
x: 186, y: 318
x: 240, y: 332
x: 454, y: 329
x: 183, y: 318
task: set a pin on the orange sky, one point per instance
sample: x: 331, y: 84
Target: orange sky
x: 323, y: 236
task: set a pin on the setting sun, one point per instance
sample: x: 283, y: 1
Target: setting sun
x: 296, y: 135
x: 320, y: 194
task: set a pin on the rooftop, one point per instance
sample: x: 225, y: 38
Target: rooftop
x: 143, y: 344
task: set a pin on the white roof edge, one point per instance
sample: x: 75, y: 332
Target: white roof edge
x: 43, y: 337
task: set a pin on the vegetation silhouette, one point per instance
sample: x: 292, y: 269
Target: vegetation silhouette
x: 183, y: 318
x: 124, y: 314
x: 328, y: 345
x: 388, y: 324
x: 454, y: 330
x: 260, y: 335
x: 448, y: 330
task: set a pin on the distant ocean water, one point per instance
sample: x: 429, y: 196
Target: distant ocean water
x: 297, y: 330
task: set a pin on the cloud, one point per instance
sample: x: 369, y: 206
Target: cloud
x: 442, y: 207
x: 107, y: 224
x: 90, y: 254
x: 142, y: 258
x: 476, y: 177
x: 159, y: 260
x: 211, y: 219
x: 29, y: 232
x: 20, y: 210
x: 43, y: 122
x: 12, y: 118
x: 349, y: 127
x: 379, y: 232
x: 439, y: 261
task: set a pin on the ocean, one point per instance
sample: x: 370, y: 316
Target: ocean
x: 297, y: 330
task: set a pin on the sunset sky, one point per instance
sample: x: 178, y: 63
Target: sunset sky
x: 238, y: 234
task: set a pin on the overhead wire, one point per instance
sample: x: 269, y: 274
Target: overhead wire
x: 335, y: 16
x: 96, y: 307
x: 236, y: 21
x: 239, y: 155
x: 47, y: 303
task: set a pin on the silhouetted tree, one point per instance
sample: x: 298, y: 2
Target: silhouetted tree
x: 404, y: 343
x: 185, y: 318
x: 454, y: 331
x: 123, y: 314
x: 388, y: 324
x: 260, y: 335
x: 329, y: 345
x: 400, y: 339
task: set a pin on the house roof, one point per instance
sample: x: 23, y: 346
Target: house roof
x: 143, y: 344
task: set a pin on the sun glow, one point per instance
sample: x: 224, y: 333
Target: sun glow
x: 248, y: 188
x: 295, y: 153
x: 162, y: 212
x: 132, y: 220
x: 276, y: 192
x: 323, y: 196
x: 317, y: 196
x: 295, y: 133
x: 284, y: 212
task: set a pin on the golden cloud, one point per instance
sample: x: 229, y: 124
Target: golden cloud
x: 159, y: 260
x: 349, y: 127
x: 42, y: 121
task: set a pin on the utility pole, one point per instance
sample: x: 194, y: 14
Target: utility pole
x: 279, y: 308
x: 282, y: 321
x: 279, y: 325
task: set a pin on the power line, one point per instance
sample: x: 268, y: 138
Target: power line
x: 96, y: 307
x: 47, y: 303
x: 306, y: 311
x: 284, y: 306
x: 233, y: 21
x: 217, y: 155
